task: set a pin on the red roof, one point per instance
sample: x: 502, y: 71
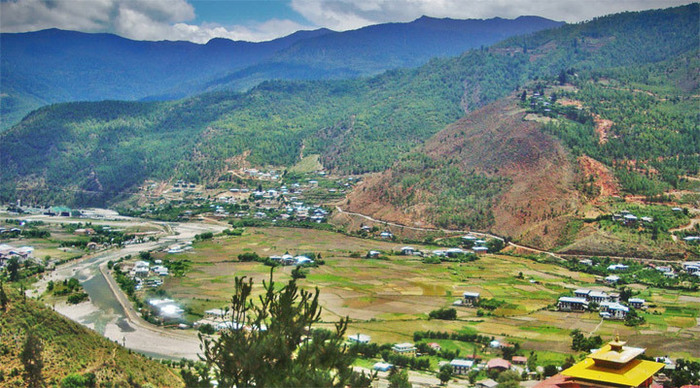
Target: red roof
x: 557, y: 381
x: 498, y: 363
x: 519, y: 359
x: 434, y: 345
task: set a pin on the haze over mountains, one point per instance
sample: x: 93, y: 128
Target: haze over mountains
x: 51, y: 66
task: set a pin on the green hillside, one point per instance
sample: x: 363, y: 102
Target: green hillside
x: 625, y: 131
x: 654, y: 138
x: 70, y: 349
x: 90, y: 153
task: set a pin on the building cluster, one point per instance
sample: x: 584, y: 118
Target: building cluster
x: 22, y: 254
x: 146, y: 275
x: 608, y: 304
x: 477, y: 247
x: 692, y: 268
x: 629, y: 219
x: 270, y: 175
x: 460, y: 366
x: 179, y: 248
x: 220, y: 320
x: 9, y: 231
x: 288, y: 259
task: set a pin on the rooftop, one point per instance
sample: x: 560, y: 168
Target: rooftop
x: 615, y: 363
x: 617, y: 352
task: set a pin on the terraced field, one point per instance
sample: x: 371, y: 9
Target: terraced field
x: 390, y: 299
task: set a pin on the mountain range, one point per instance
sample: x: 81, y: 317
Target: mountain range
x: 50, y: 66
x: 460, y: 142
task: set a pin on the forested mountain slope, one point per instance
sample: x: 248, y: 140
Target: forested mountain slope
x: 58, y: 66
x: 89, y: 153
x: 491, y: 170
x: 526, y: 165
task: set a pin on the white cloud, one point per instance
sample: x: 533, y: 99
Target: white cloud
x: 351, y: 14
x: 134, y: 19
x: 171, y: 19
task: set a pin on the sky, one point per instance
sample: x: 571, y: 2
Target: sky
x: 260, y: 20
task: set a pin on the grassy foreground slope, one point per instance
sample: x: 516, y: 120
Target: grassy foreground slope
x: 90, y: 153
x: 70, y: 348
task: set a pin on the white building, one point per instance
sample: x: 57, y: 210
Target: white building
x: 359, y: 338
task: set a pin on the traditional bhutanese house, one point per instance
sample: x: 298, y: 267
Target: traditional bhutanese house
x: 408, y: 251
x: 471, y: 298
x: 521, y: 360
x: 487, y: 383
x: 359, y: 338
x: 404, y: 348
x: 637, y: 303
x: 461, y: 367
x: 598, y: 296
x: 498, y: 363
x: 614, y: 365
x: 480, y: 249
x: 435, y: 346
x: 614, y: 310
x: 567, y: 303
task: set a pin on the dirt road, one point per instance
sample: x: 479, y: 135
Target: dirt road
x: 560, y: 256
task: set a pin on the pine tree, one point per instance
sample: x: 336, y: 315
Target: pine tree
x: 272, y: 342
x: 3, y: 297
x: 32, y: 360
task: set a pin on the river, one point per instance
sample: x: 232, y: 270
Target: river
x: 108, y: 311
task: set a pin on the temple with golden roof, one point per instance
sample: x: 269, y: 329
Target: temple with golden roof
x: 613, y: 365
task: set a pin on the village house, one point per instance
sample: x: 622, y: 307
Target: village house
x: 567, y: 303
x: 498, y: 364
x: 404, y: 348
x: 373, y: 254
x: 613, y: 310
x: 386, y: 235
x: 593, y: 295
x: 435, y: 346
x: 408, y: 251
x: 637, y: 303
x: 359, y: 338
x: 454, y: 252
x: 471, y: 298
x: 84, y: 231
x: 480, y: 250
x: 461, y: 367
x: 486, y: 383
x: 519, y: 360
x: 617, y: 267
x: 612, y: 279
x: 691, y: 267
